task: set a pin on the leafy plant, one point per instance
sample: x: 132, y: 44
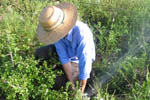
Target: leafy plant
x: 121, y: 35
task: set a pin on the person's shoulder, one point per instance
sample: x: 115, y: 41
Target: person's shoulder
x: 81, y: 24
x: 81, y: 29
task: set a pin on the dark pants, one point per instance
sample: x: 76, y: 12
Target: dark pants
x: 47, y: 53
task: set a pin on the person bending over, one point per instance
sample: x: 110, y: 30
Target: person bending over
x: 73, y: 40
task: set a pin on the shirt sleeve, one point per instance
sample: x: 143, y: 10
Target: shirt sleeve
x: 61, y: 50
x: 85, y: 53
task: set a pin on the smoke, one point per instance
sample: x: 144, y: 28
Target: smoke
x: 140, y: 43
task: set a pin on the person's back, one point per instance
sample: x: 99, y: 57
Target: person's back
x: 77, y: 46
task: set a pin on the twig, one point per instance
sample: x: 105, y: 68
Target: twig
x: 11, y: 57
x: 10, y: 53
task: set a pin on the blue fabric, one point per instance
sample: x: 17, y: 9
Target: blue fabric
x: 78, y: 45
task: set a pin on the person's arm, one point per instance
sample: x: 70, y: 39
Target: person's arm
x: 86, y: 55
x: 68, y: 70
x: 65, y: 61
x: 83, y: 85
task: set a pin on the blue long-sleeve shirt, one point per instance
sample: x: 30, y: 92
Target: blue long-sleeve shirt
x: 79, y: 46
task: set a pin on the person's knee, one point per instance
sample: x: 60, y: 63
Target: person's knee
x: 44, y: 52
x: 36, y: 53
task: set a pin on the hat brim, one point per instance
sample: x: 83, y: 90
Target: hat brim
x: 63, y: 29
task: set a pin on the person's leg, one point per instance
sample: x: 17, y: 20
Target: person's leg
x: 47, y: 53
x: 90, y: 89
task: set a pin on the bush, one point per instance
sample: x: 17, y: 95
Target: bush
x: 121, y: 34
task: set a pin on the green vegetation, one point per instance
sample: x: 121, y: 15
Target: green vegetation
x: 121, y: 31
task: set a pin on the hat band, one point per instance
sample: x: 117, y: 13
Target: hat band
x: 59, y: 21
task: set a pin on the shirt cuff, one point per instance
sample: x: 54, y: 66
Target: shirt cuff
x: 84, y: 76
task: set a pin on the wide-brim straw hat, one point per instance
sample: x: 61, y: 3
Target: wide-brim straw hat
x: 55, y: 22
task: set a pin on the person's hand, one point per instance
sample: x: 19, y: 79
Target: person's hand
x: 72, y: 86
x: 83, y: 85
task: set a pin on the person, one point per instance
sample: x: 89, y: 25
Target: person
x: 72, y: 39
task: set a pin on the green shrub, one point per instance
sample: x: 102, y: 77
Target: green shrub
x: 121, y: 34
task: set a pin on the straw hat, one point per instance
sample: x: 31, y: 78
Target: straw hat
x: 55, y: 22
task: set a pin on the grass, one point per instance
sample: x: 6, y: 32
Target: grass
x: 121, y: 33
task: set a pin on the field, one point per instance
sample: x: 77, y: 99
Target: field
x: 121, y: 30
